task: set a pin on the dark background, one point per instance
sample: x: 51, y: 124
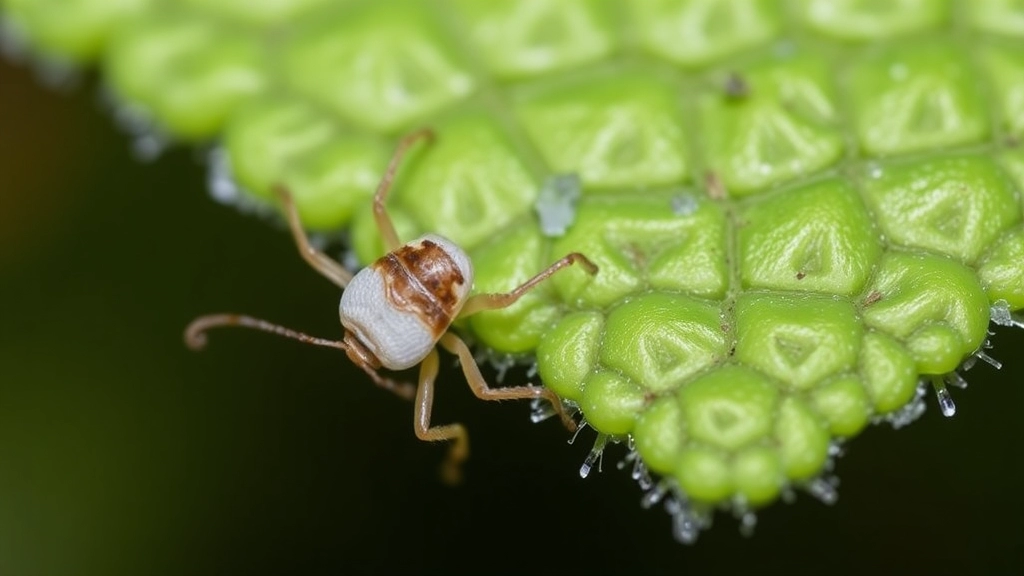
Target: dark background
x: 123, y: 453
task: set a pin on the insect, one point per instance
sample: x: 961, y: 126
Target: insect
x: 396, y: 311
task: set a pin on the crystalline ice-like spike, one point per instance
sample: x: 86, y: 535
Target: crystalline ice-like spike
x: 910, y: 412
x: 835, y: 449
x: 945, y: 400
x: 824, y: 489
x: 988, y: 359
x: 654, y: 495
x: 541, y: 411
x: 748, y: 521
x: 580, y: 426
x: 687, y: 521
x: 1002, y: 316
x: 955, y: 379
x: 595, y: 456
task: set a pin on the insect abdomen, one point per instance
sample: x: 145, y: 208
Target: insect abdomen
x: 401, y: 305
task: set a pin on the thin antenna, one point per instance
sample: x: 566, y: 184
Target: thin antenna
x: 195, y: 334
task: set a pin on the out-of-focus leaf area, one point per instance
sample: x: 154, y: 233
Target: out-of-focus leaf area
x: 841, y: 216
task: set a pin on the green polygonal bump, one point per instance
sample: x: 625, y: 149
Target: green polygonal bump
x: 798, y: 340
x: 73, y: 30
x: 999, y: 16
x: 611, y: 403
x: 869, y: 19
x: 382, y: 66
x: 729, y: 408
x: 844, y: 404
x: 758, y: 474
x: 802, y: 439
x: 500, y: 266
x: 816, y: 238
x: 935, y: 305
x: 917, y: 97
x: 278, y: 141
x: 520, y: 38
x: 568, y: 353
x: 1001, y: 271
x: 330, y: 183
x: 785, y: 127
x: 269, y: 134
x: 191, y: 72
x: 704, y: 474
x: 956, y: 205
x: 661, y: 340
x: 261, y: 13
x: 618, y: 129
x: 660, y: 434
x: 888, y: 371
x: 1005, y: 68
x: 696, y: 32
x: 466, y: 184
x: 643, y: 243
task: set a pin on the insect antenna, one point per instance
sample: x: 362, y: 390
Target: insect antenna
x: 195, y: 333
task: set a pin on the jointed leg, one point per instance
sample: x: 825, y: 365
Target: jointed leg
x: 403, y: 390
x: 320, y: 262
x: 482, y: 302
x: 451, y: 470
x: 380, y: 213
x: 481, y: 390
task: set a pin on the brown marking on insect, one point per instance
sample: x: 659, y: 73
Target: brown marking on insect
x: 873, y: 297
x: 801, y: 275
x: 422, y: 279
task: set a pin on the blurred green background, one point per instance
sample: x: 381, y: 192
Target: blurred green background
x: 123, y: 453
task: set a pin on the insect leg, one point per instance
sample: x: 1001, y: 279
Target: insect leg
x: 451, y: 470
x: 481, y: 390
x: 320, y: 262
x: 380, y: 212
x: 481, y: 302
x: 403, y: 390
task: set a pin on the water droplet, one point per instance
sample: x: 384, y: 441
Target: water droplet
x: 945, y: 400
